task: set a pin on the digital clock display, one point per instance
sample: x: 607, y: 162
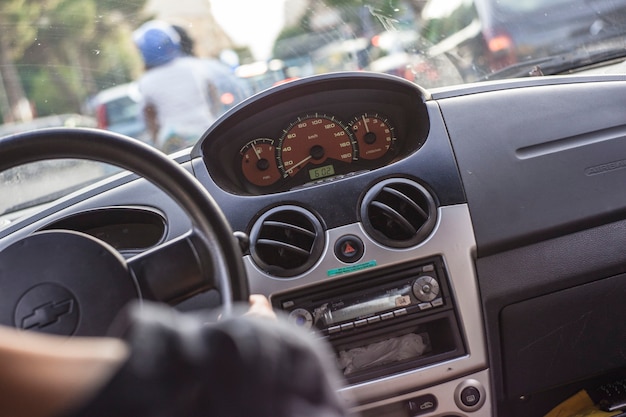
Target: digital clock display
x: 321, y: 172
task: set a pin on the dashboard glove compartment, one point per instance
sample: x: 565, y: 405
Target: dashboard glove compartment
x: 562, y: 337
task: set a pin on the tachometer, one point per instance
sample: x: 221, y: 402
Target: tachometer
x: 373, y: 134
x: 258, y: 162
x: 314, y: 139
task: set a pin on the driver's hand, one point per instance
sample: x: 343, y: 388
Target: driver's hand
x: 260, y: 306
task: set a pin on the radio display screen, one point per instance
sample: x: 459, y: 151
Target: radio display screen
x: 370, y: 306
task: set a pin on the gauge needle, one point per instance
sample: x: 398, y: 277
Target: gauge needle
x: 257, y: 153
x: 298, y: 164
x: 367, y: 129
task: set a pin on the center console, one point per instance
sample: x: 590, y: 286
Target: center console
x: 407, y: 335
x: 384, y: 322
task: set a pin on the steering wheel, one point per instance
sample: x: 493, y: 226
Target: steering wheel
x: 70, y: 283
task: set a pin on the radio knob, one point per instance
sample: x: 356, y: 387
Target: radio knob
x: 301, y: 318
x: 426, y: 288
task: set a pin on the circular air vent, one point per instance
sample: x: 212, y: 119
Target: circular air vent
x: 398, y: 213
x: 286, y: 241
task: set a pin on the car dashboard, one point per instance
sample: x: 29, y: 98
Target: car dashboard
x: 461, y: 249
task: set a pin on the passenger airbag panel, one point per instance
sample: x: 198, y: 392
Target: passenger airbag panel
x: 559, y: 154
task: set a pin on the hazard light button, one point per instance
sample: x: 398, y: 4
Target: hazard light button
x: 349, y: 248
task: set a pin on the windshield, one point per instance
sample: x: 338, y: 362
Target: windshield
x: 163, y: 71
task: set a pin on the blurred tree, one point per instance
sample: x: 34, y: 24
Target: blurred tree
x: 66, y: 50
x: 16, y: 32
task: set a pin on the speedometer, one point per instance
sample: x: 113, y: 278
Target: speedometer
x: 315, y: 143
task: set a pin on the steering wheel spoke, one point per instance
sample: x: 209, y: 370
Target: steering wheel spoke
x: 173, y: 271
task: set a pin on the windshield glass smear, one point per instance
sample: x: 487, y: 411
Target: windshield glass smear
x: 42, y: 182
x: 105, y: 63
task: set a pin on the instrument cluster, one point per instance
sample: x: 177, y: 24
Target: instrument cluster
x: 313, y: 131
x: 316, y: 146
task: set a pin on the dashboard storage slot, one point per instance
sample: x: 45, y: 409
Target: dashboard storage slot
x: 381, y: 323
x: 402, y: 347
x: 392, y: 350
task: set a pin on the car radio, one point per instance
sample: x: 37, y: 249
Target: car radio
x: 400, y: 317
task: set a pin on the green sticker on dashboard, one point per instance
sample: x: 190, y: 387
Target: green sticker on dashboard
x: 352, y: 268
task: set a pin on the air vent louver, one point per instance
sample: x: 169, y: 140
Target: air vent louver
x: 286, y: 241
x: 398, y: 213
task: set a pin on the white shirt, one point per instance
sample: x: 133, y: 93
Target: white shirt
x: 179, y: 91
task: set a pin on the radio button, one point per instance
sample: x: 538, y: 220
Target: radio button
x: 428, y: 268
x: 400, y: 312
x: 387, y: 316
x: 470, y: 396
x: 360, y: 323
x: 425, y: 306
x: 437, y: 302
x: 347, y: 326
x: 422, y: 405
x: 334, y: 329
x: 374, y: 319
x: 301, y: 318
x: 426, y: 288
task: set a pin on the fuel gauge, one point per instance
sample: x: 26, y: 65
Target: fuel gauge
x: 258, y: 162
x: 374, y: 135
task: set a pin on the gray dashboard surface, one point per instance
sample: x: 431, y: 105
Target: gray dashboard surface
x: 540, y: 162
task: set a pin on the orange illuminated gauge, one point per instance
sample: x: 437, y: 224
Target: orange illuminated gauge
x: 373, y: 134
x: 315, y: 143
x: 258, y: 162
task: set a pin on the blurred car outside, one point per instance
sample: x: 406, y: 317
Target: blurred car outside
x: 118, y: 109
x: 229, y: 89
x: 482, y: 37
x: 402, y: 53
